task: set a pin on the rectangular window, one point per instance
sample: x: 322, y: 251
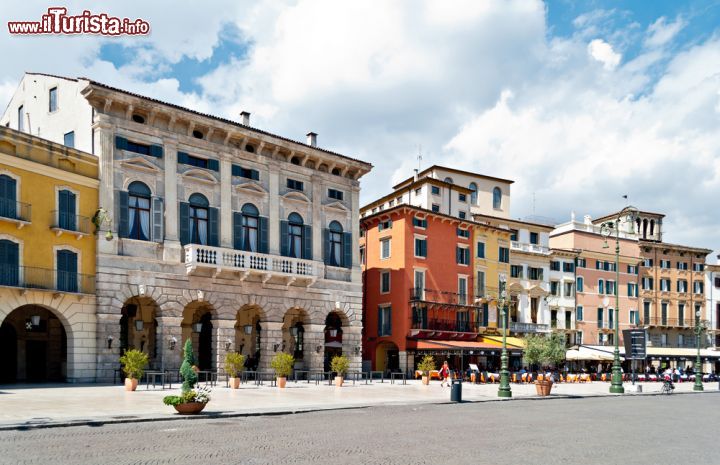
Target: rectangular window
x: 698, y: 267
x: 681, y: 314
x: 581, y: 263
x: 436, y: 208
x: 480, y: 284
x: 52, y: 100
x: 682, y: 266
x: 516, y: 271
x: 648, y: 262
x: 682, y: 286
x: 513, y: 236
x: 601, y: 286
x: 419, y: 223
x: 295, y: 184
x: 247, y: 173
x: 664, y: 313
x: 600, y: 319
x: 632, y: 290
x: 362, y: 255
x: 21, y: 118
x: 504, y: 255
x: 555, y: 266
x: 383, y: 225
x: 420, y: 247
x: 611, y: 317
x: 568, y: 267
x: 579, y: 313
x: 665, y: 264
x: 420, y: 284
x: 69, y: 139
x: 336, y: 194
x: 462, y: 215
x: 535, y: 273
x: 580, y: 283
x: 579, y: 338
x: 632, y: 269
x: 464, y: 233
x: 598, y: 265
x: 191, y: 160
x: 463, y: 255
x: 462, y: 290
x: 717, y: 282
x: 390, y: 203
x: 384, y: 321
x: 647, y: 283
x: 568, y: 289
x: 384, y: 282
x: 480, y: 250
x: 462, y: 197
x: 665, y: 285
x: 610, y: 287
x: 698, y: 287
x: 646, y: 313
x: 385, y: 249
x: 634, y: 317
x: 554, y: 288
x: 435, y: 190
x: 534, y: 238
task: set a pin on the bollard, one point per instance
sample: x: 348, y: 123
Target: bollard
x: 456, y: 391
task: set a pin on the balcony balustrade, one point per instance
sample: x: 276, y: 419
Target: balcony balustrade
x: 531, y: 248
x: 441, y: 297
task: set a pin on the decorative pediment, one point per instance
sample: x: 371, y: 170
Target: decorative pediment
x: 337, y: 206
x: 199, y: 176
x: 251, y: 187
x: 139, y: 164
x: 296, y: 196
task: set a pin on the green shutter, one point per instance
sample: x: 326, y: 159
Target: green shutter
x: 156, y: 151
x: 263, y: 233
x: 213, y: 165
x: 158, y: 216
x: 120, y: 143
x: 182, y: 158
x: 307, y: 245
x: 284, y: 246
x: 184, y: 223
x: 123, y: 213
x: 326, y: 246
x: 237, y: 231
x: 213, y: 227
x: 347, y: 250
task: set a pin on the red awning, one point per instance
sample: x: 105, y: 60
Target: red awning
x: 445, y: 345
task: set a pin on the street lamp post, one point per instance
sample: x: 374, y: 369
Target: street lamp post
x: 504, y: 390
x: 628, y: 214
x: 698, y: 363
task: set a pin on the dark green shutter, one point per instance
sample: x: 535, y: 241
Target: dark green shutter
x: 9, y: 263
x: 263, y: 233
x: 213, y: 165
x: 307, y: 245
x: 347, y: 250
x: 255, y: 175
x: 326, y: 246
x: 124, y: 214
x: 284, y: 246
x: 157, y: 219
x: 182, y: 158
x: 184, y: 220
x: 237, y: 231
x: 156, y: 151
x: 235, y: 170
x: 213, y: 228
x: 120, y: 143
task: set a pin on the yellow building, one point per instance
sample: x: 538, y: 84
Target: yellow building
x: 48, y: 195
x: 488, y: 264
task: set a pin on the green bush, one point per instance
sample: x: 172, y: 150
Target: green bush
x: 426, y: 365
x: 134, y: 363
x: 202, y: 395
x: 234, y: 364
x: 340, y: 364
x: 283, y: 364
x: 186, y: 369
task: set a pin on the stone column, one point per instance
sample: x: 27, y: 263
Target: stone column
x: 105, y: 148
x: 317, y: 223
x: 356, y: 275
x: 314, y: 338
x: 223, y: 332
x: 270, y: 336
x: 274, y: 208
x: 226, y: 238
x: 108, y: 324
x: 171, y: 251
x: 351, y: 341
x: 169, y: 327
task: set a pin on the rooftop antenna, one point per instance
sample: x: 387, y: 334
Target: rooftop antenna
x: 419, y: 156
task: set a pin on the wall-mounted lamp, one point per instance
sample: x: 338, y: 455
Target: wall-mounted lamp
x: 357, y: 350
x: 139, y: 325
x: 248, y: 329
x: 228, y: 343
x: 197, y: 327
x: 35, y: 320
x: 318, y: 349
x: 101, y: 218
x: 172, y: 342
x: 109, y: 341
x: 276, y: 346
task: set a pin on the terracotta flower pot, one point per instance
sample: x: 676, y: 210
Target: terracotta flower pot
x: 338, y: 381
x: 543, y: 387
x: 426, y: 380
x: 190, y: 408
x: 281, y: 382
x: 234, y: 383
x: 131, y: 384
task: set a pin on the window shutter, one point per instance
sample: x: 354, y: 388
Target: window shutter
x: 156, y: 151
x: 284, y: 249
x: 263, y: 233
x: 123, y: 222
x: 120, y: 143
x: 326, y: 246
x: 307, y: 246
x: 158, y: 217
x: 182, y: 158
x: 213, y: 165
x: 213, y: 227
x: 184, y: 225
x: 235, y: 170
x: 255, y: 175
x: 347, y: 250
x: 237, y: 231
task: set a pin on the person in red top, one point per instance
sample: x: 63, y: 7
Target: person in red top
x: 445, y: 374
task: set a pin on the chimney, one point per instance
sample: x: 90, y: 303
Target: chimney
x: 245, y: 118
x: 312, y: 139
x: 415, y: 177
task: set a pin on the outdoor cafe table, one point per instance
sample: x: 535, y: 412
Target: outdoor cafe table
x: 162, y: 375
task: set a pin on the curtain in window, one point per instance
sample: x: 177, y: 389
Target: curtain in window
x: 250, y: 233
x: 139, y: 218
x: 295, y: 238
x: 336, y: 248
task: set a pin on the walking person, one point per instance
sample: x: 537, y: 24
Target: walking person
x: 445, y: 374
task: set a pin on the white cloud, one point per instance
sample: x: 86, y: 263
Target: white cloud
x: 661, y: 32
x: 604, y: 53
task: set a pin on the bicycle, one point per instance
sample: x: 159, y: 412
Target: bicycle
x: 668, y: 387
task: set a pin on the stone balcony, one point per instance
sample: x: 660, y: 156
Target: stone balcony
x: 529, y: 248
x: 201, y: 259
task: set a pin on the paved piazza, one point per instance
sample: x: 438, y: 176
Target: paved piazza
x: 602, y: 430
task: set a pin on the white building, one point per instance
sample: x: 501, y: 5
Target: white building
x: 223, y: 233
x: 712, y: 294
x: 562, y: 299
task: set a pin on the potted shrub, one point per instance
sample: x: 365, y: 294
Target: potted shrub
x: 234, y: 364
x: 133, y: 364
x: 544, y: 350
x: 426, y: 365
x: 191, y: 400
x: 282, y: 363
x: 340, y: 364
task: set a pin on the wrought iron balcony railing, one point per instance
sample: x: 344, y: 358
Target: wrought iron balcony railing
x: 17, y: 212
x: 440, y: 297
x: 26, y: 277
x: 64, y: 221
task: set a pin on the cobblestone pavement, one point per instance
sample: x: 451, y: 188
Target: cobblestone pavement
x: 607, y: 430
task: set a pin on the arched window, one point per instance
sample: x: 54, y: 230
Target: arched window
x: 295, y: 235
x: 199, y: 219
x: 335, y: 251
x: 9, y: 263
x: 250, y: 225
x: 473, y: 194
x: 139, y: 211
x: 8, y: 197
x: 652, y: 227
x: 449, y: 180
x: 497, y: 197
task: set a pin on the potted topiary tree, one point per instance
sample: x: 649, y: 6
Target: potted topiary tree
x: 340, y: 364
x: 234, y: 364
x: 191, y: 400
x: 544, y: 350
x: 133, y: 364
x: 282, y: 363
x: 426, y: 365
